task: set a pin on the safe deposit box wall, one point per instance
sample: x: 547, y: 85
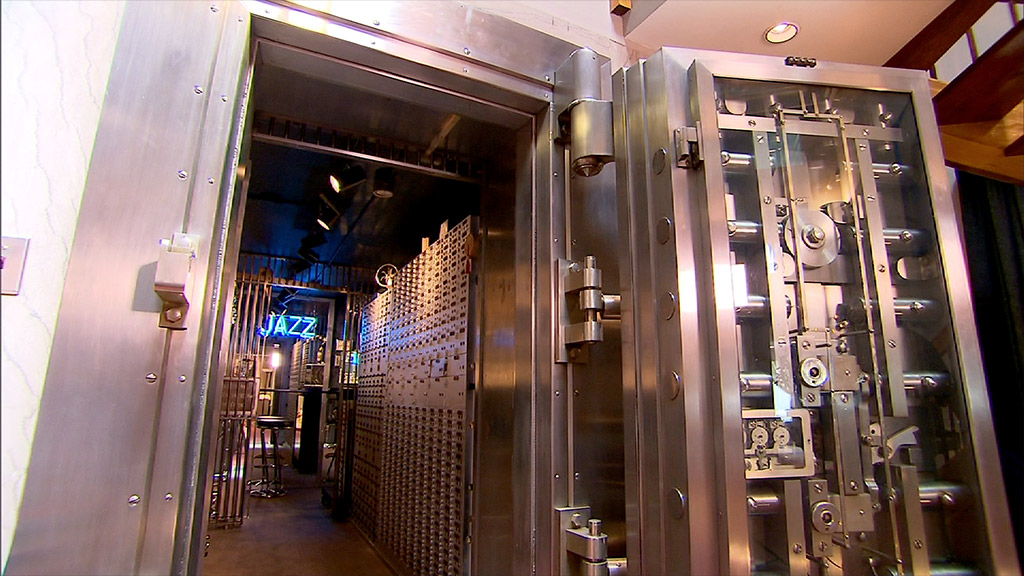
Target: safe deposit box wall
x: 413, y: 406
x: 804, y: 367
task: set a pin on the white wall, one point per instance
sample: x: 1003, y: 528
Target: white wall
x: 56, y: 59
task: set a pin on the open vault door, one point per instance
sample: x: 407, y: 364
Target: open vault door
x: 823, y: 342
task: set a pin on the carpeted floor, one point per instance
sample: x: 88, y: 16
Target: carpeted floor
x: 292, y: 535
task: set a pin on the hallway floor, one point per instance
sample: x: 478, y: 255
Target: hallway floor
x: 292, y: 535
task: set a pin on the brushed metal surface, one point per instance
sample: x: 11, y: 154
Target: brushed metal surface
x: 528, y: 156
x: 496, y: 372
x: 598, y: 463
x: 101, y: 424
x: 175, y: 464
x: 373, y: 49
x: 480, y: 38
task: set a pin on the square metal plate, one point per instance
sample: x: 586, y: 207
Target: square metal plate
x: 14, y: 252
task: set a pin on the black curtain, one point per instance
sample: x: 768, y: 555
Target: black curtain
x: 993, y: 220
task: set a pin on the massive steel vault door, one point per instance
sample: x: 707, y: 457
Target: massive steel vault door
x: 413, y: 408
x: 800, y: 305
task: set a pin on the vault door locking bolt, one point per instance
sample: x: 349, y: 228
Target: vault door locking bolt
x: 172, y: 278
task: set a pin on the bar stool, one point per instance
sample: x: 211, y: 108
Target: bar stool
x: 270, y: 486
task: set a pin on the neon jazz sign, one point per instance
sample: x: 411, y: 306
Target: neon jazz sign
x: 289, y: 326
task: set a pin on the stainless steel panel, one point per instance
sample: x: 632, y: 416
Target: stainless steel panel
x: 497, y: 373
x: 101, y: 418
x: 174, y: 468
x: 374, y: 49
x: 480, y: 38
x: 530, y: 161
x: 733, y: 550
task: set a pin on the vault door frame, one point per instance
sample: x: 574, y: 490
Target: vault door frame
x: 137, y: 400
x: 506, y: 452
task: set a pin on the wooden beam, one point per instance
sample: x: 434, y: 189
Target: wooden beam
x: 925, y: 49
x: 982, y: 160
x: 990, y: 87
x: 1016, y: 148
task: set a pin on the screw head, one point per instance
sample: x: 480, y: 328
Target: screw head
x: 797, y: 549
x: 918, y: 544
x: 182, y: 174
x: 197, y: 89
x: 168, y: 497
x: 214, y: 9
x: 466, y: 51
x: 767, y: 199
x: 173, y: 314
x: 210, y: 180
x: 134, y: 500
x: 881, y: 268
x: 182, y: 378
x: 151, y: 377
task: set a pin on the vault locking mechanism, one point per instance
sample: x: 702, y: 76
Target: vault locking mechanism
x: 172, y: 278
x: 582, y: 308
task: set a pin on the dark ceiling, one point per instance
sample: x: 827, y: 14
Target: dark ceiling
x: 284, y: 195
x: 286, y: 182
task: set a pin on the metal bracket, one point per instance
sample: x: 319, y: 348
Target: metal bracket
x: 12, y: 264
x: 580, y: 305
x: 584, y: 546
x: 688, y: 147
x: 172, y: 276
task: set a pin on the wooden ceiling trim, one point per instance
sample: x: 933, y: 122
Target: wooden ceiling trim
x: 990, y: 87
x: 925, y: 49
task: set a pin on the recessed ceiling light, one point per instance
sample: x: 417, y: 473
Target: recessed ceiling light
x: 781, y: 32
x: 335, y: 184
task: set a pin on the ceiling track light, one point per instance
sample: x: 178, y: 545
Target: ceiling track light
x: 781, y: 32
x: 327, y: 215
x: 309, y: 255
x: 313, y: 239
x: 384, y: 183
x: 350, y: 177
